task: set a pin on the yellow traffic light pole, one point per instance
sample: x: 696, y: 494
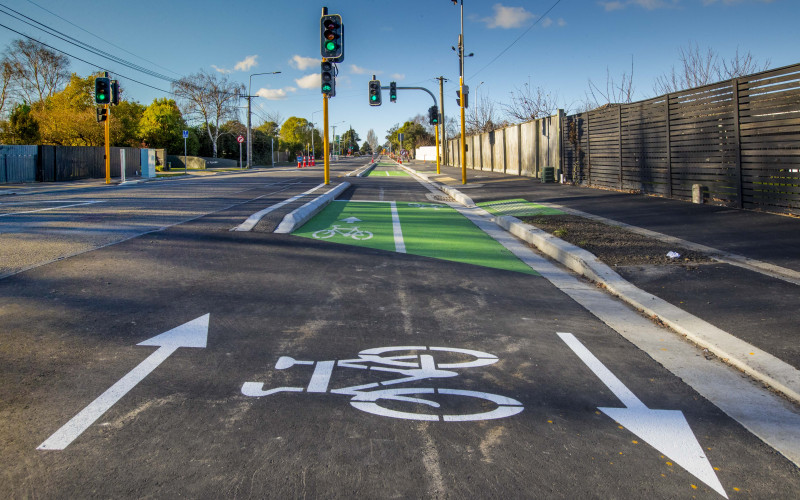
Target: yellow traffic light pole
x: 325, y: 142
x: 108, y: 142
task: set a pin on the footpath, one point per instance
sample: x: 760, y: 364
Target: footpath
x: 741, y: 304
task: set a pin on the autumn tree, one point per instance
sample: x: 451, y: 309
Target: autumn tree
x: 162, y: 125
x: 209, y: 98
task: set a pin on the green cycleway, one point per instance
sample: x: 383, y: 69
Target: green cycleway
x: 427, y: 229
x: 384, y: 169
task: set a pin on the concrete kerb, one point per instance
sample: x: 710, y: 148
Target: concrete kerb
x: 758, y: 364
x: 367, y: 170
x: 453, y: 193
x: 300, y: 216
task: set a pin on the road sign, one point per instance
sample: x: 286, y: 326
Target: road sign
x: 185, y: 134
x: 240, y: 139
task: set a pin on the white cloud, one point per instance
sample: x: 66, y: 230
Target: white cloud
x: 303, y: 63
x: 358, y: 70
x: 311, y: 81
x: 561, y: 22
x: 645, y: 4
x: 507, y: 17
x: 398, y: 76
x: 547, y: 22
x: 221, y: 70
x: 275, y: 94
x: 247, y: 64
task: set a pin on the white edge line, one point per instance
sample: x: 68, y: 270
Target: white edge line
x: 53, y: 208
x: 399, y: 243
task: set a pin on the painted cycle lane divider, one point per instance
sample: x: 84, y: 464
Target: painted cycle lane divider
x: 424, y: 229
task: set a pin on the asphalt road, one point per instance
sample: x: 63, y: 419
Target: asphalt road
x: 326, y: 369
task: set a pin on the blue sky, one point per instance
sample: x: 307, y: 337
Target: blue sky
x: 409, y: 42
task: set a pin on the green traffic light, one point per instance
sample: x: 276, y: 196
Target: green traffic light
x: 101, y: 97
x: 373, y: 97
x: 326, y: 88
x: 330, y: 46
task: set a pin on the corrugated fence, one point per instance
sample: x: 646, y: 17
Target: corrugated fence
x: 63, y: 163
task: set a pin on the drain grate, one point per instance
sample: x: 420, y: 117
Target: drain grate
x: 440, y: 197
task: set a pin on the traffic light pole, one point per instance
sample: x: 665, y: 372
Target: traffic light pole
x: 108, y: 143
x: 326, y: 142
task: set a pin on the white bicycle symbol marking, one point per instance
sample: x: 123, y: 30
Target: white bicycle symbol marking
x: 347, y: 232
x: 423, y: 206
x: 418, y: 366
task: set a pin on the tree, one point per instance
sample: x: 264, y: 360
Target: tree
x: 529, y: 103
x: 296, y: 133
x: 210, y: 98
x: 700, y: 67
x: 68, y: 117
x: 22, y: 126
x: 162, y: 125
x: 270, y: 128
x: 372, y: 140
x: 482, y: 117
x: 5, y: 85
x: 616, y: 92
x: 350, y: 139
x: 366, y: 148
x: 35, y: 71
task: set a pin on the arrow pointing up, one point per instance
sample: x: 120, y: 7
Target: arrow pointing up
x: 191, y: 334
x: 665, y: 430
x: 351, y: 220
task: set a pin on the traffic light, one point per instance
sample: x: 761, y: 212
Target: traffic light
x: 332, y: 37
x: 115, y: 90
x: 102, y: 115
x: 433, y: 115
x: 466, y: 97
x: 393, y: 91
x: 374, y: 92
x: 328, y: 78
x: 102, y: 90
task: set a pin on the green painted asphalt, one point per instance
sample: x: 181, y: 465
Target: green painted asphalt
x: 428, y: 229
x: 518, y: 208
x: 387, y: 173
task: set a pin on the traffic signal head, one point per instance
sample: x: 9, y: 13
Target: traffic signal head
x: 375, y: 93
x: 433, y: 115
x: 115, y: 90
x: 328, y: 78
x: 466, y: 97
x: 393, y: 91
x: 102, y: 90
x: 102, y: 115
x: 332, y: 37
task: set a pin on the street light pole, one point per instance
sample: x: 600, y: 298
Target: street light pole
x: 249, y: 135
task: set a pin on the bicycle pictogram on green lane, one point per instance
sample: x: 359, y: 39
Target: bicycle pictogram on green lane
x: 425, y: 229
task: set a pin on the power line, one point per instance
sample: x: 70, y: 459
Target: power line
x: 84, y: 60
x: 82, y: 45
x: 518, y: 38
x: 101, y: 38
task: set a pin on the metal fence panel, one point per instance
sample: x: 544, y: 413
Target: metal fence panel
x: 18, y: 164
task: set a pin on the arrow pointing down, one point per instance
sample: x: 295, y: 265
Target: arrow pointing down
x: 665, y: 430
x: 191, y: 334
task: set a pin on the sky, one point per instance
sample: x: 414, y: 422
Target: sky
x: 559, y: 45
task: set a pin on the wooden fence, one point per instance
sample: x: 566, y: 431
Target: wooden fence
x: 739, y: 139
x: 63, y: 163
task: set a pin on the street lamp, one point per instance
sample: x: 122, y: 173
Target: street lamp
x: 249, y: 97
x: 461, y: 95
x: 312, y: 130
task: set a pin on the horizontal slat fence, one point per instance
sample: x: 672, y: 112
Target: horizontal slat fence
x: 740, y: 139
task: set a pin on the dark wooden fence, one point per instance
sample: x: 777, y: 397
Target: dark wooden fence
x: 63, y: 163
x: 740, y: 139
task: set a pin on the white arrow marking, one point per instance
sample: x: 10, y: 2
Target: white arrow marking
x: 351, y: 220
x: 191, y: 334
x: 665, y: 430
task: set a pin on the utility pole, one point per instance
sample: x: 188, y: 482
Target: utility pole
x: 249, y: 135
x: 462, y: 100
x: 443, y: 121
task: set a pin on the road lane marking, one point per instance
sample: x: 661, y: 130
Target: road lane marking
x: 53, y: 208
x: 665, y: 430
x: 191, y: 334
x: 399, y: 244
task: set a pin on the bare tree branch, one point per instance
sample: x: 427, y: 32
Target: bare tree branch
x: 35, y: 71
